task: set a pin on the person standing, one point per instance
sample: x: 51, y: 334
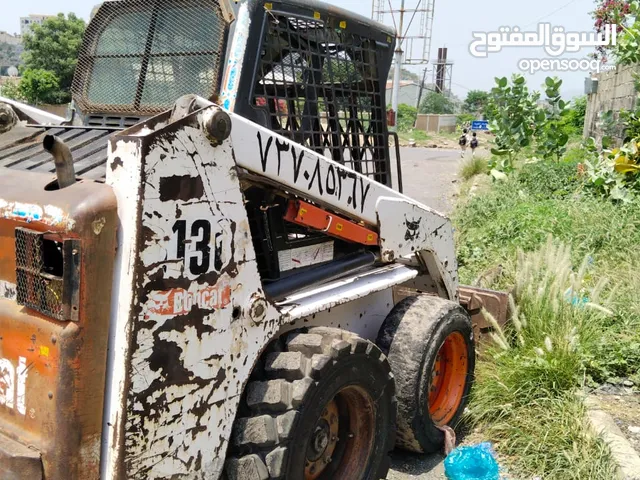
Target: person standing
x: 473, y: 144
x: 462, y: 141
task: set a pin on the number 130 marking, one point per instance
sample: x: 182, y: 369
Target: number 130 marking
x: 200, y: 258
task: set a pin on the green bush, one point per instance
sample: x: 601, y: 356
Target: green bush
x: 436, y: 103
x: 39, y: 86
x: 549, y: 180
x: 406, y: 117
x: 11, y: 90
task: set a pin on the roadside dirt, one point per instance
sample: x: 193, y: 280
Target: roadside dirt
x: 624, y: 407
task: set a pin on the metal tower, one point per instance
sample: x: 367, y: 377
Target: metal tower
x: 443, y: 72
x: 413, y: 37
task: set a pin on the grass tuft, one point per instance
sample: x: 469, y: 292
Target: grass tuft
x: 473, y: 166
x: 524, y: 398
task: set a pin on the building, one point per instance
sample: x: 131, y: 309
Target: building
x: 10, y: 39
x: 27, y: 22
x: 408, y: 92
x: 10, y: 51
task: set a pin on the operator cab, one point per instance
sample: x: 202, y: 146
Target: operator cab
x: 311, y: 72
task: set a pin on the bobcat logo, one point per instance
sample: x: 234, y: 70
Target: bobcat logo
x: 413, y: 228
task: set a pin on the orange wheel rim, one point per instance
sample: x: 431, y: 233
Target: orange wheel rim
x: 341, y: 443
x: 448, y: 379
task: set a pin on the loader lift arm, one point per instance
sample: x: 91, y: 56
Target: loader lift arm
x: 407, y: 231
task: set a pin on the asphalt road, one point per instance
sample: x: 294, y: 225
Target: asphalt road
x: 428, y: 176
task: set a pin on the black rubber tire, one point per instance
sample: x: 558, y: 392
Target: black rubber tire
x: 277, y: 416
x: 411, y: 337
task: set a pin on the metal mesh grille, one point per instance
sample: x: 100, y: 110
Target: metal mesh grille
x: 141, y: 56
x: 321, y: 88
x: 36, y: 289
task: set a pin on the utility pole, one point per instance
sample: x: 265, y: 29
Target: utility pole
x: 413, y: 40
x: 398, y: 58
x: 424, y: 77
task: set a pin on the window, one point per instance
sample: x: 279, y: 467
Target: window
x: 145, y: 61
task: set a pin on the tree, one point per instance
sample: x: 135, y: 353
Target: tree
x: 552, y: 132
x: 53, y: 46
x: 9, y: 54
x: 475, y: 102
x: 511, y: 112
x: 39, y: 86
x: 436, y: 103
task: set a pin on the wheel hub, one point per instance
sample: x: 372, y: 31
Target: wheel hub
x: 319, y: 441
x: 323, y: 442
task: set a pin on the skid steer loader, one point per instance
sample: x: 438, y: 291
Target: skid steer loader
x: 214, y: 277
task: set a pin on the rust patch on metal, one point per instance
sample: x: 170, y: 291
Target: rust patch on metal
x: 474, y: 299
x: 57, y: 409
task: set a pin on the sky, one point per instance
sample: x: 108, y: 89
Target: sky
x: 454, y: 23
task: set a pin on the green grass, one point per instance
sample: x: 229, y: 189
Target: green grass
x: 524, y: 398
x: 473, y: 166
x: 418, y: 136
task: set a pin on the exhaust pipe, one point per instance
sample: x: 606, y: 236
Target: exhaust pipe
x: 63, y: 160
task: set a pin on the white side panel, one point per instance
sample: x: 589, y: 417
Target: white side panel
x: 186, y: 341
x: 363, y: 316
x: 124, y: 179
x: 406, y: 228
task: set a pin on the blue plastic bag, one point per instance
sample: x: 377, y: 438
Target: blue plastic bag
x: 472, y: 463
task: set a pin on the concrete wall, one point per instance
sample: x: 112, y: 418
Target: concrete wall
x: 616, y: 91
x: 436, y: 123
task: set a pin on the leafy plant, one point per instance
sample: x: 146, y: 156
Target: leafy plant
x: 551, y: 132
x: 511, y: 111
x: 610, y: 12
x: 465, y: 119
x: 627, y: 49
x: 574, y: 118
x: 39, y: 86
x: 544, y: 180
x: 436, y: 103
x: 11, y: 90
x: 614, y: 172
x: 54, y: 46
x: 406, y: 117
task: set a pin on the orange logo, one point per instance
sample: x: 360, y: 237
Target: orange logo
x: 179, y: 301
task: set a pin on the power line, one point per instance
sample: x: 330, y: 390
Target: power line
x: 549, y: 14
